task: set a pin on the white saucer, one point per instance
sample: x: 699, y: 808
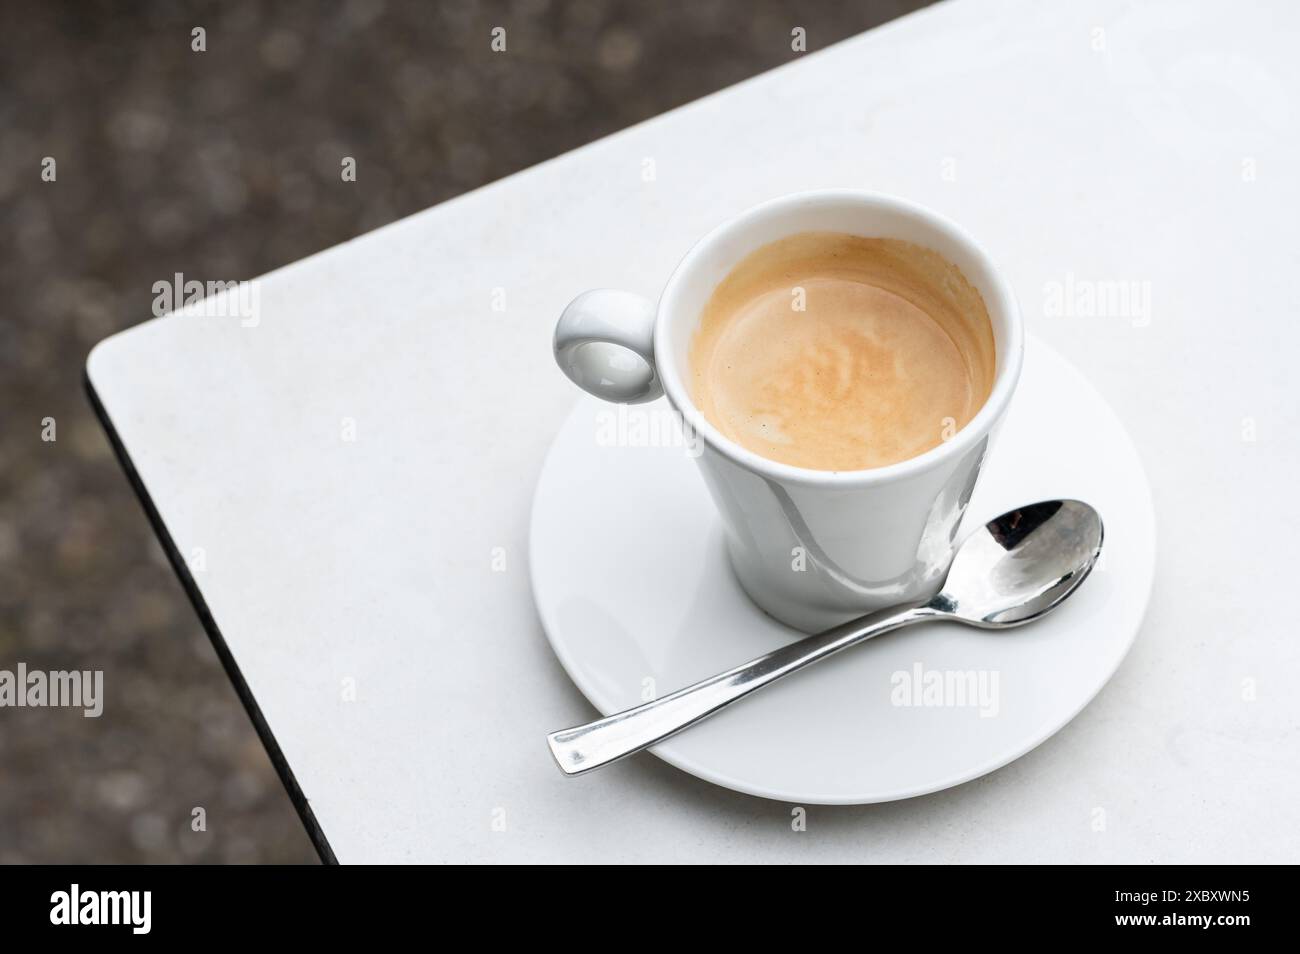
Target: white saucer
x: 632, y: 584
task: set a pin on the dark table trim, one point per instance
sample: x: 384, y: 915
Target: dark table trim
x: 254, y: 711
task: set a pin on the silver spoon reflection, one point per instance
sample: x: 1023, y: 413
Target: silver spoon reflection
x: 1009, y: 572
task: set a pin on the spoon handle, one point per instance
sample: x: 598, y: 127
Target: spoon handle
x: 586, y: 747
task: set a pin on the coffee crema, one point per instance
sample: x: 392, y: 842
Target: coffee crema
x: 831, y: 351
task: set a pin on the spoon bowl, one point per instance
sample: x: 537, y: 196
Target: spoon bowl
x: 1022, y: 564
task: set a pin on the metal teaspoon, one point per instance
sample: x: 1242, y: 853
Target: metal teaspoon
x: 1011, y: 571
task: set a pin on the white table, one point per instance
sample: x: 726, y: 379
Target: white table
x: 1081, y: 143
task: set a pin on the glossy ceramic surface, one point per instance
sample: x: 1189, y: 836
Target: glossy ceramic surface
x: 812, y: 548
x: 633, y: 587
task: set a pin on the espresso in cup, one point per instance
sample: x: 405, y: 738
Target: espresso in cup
x: 807, y: 359
x: 834, y: 352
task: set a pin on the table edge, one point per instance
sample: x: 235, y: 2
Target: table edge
x: 296, y: 796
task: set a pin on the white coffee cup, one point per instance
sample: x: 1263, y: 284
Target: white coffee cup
x: 812, y: 548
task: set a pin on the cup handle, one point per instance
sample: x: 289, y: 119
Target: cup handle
x: 604, y: 342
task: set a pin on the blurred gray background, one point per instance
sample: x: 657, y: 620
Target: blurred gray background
x: 225, y: 163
